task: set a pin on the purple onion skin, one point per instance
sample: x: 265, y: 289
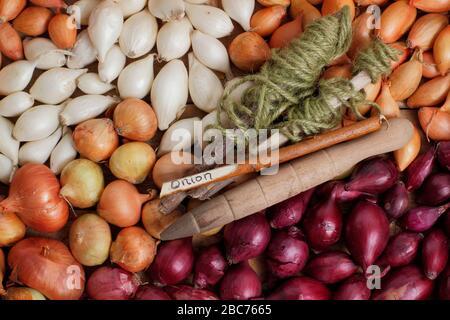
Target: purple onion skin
x: 301, y: 288
x: 402, y: 249
x: 323, y: 224
x: 150, y: 292
x: 240, y: 283
x: 246, y: 238
x: 173, y: 263
x: 444, y: 284
x: 434, y: 253
x: 286, y: 254
x: 184, y: 292
x: 373, y: 176
x: 395, y: 201
x: 331, y: 267
x: 366, y: 233
x: 447, y: 223
x: 435, y: 190
x: 338, y: 188
x: 421, y: 219
x: 354, y: 288
x: 420, y: 169
x: 210, y: 267
x: 290, y: 212
x: 107, y: 283
x: 444, y: 154
x: 406, y: 283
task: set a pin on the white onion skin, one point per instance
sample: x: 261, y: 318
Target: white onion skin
x: 39, y: 151
x: 90, y: 83
x: 240, y: 11
x: 135, y: 81
x: 6, y: 169
x: 138, y: 36
x: 170, y: 92
x: 210, y: 20
x: 37, y: 123
x: 8, y: 145
x: 130, y: 7
x: 15, y: 104
x: 63, y: 153
x: 82, y: 10
x: 83, y: 52
x: 174, y: 39
x: 49, y: 54
x: 16, y: 76
x: 110, y: 69
x: 167, y: 10
x: 85, y: 107
x: 179, y: 136
x: 105, y: 25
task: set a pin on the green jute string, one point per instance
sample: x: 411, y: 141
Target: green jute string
x: 288, y: 94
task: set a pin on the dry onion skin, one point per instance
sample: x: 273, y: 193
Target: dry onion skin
x: 90, y: 240
x: 248, y: 51
x: 133, y: 250
x: 23, y: 293
x: 169, y: 168
x: 12, y: 229
x: 82, y: 183
x: 132, y: 162
x: 156, y: 222
x: 406, y: 155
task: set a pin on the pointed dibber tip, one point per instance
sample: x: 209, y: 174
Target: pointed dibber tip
x: 183, y: 227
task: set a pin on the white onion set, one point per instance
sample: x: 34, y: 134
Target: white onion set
x: 8, y: 145
x: 63, y: 153
x: 110, y: 69
x: 205, y: 87
x: 135, y: 80
x: 174, y: 39
x: 105, y: 25
x: 130, y: 7
x: 138, y: 34
x: 210, y: 20
x: 84, y: 108
x: 179, y: 137
x: 16, y: 76
x: 90, y: 83
x: 15, y: 104
x: 45, y: 52
x: 6, y: 169
x: 170, y: 92
x: 39, y: 151
x: 167, y: 10
x: 83, y: 53
x: 240, y: 11
x: 82, y: 10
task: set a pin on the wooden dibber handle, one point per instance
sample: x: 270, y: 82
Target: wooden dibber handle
x: 293, y: 178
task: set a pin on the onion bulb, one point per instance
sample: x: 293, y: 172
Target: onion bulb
x: 133, y: 250
x: 435, y: 123
x: 265, y: 21
x: 406, y: 155
x: 39, y: 151
x: 441, y: 51
x: 362, y: 34
x: 90, y: 83
x: 107, y: 283
x: 430, y: 69
x: 240, y: 11
x: 430, y: 93
x: 33, y: 21
x: 209, y: 20
x: 135, y: 119
x: 179, y: 137
x: 82, y: 183
x: 389, y: 107
x: 333, y: 6
x: 47, y: 266
x: 56, y: 4
x: 34, y: 197
x: 174, y: 39
x: 22, y: 294
x: 172, y: 166
x: 248, y: 51
x: 44, y: 52
x: 432, y: 6
x: 156, y: 222
x: 132, y: 162
x: 112, y: 66
x: 136, y: 79
x: 10, y: 42
x: 6, y: 169
x: 130, y: 7
x: 15, y: 104
x: 16, y: 76
x: 10, y: 9
x: 82, y: 9
x: 8, y: 145
x: 120, y: 204
x: 83, y: 52
x: 12, y: 229
x: 396, y: 20
x: 268, y: 3
x: 63, y: 153
x: 286, y: 33
x: 425, y: 31
x: 96, y: 139
x: 305, y: 9
x: 406, y: 79
x: 90, y: 240
x: 167, y: 10
x: 62, y: 30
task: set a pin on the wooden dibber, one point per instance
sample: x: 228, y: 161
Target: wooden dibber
x: 291, y: 152
x: 293, y: 178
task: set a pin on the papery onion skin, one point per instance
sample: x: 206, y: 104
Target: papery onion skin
x: 331, y: 267
x: 62, y: 30
x: 173, y: 263
x: 286, y: 254
x: 9, y: 10
x: 441, y: 51
x: 82, y: 183
x: 406, y: 78
x: 22, y: 294
x: 12, y: 229
x: 286, y: 33
x: 434, y: 253
x: 396, y: 21
x: 354, y: 288
x: 366, y: 233
x: 300, y: 288
x: 210, y: 266
x: 432, y: 6
x: 406, y: 155
x: 373, y: 176
x: 323, y: 224
x: 150, y: 292
x: 435, y: 123
x: 120, y: 204
x: 47, y: 266
x: 395, y: 201
x: 337, y: 188
x: 133, y: 250
x: 435, y: 190
x: 420, y: 169
x: 430, y: 69
x: 265, y: 21
x: 166, y: 168
x: 268, y: 3
x: 402, y: 249
x: 425, y: 31
x: 304, y: 8
x: 57, y: 4
x: 246, y: 238
x: 184, y: 292
x: 156, y: 222
x: 132, y: 162
x: 96, y: 139
x: 240, y: 283
x: 248, y: 51
x: 107, y: 283
x: 289, y: 212
x: 406, y: 283
x: 430, y: 93
x: 421, y: 219
x: 135, y: 119
x: 33, y: 21
x: 34, y: 197
x: 362, y: 34
x: 90, y: 240
x: 333, y: 6
x: 444, y: 154
x: 10, y: 42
